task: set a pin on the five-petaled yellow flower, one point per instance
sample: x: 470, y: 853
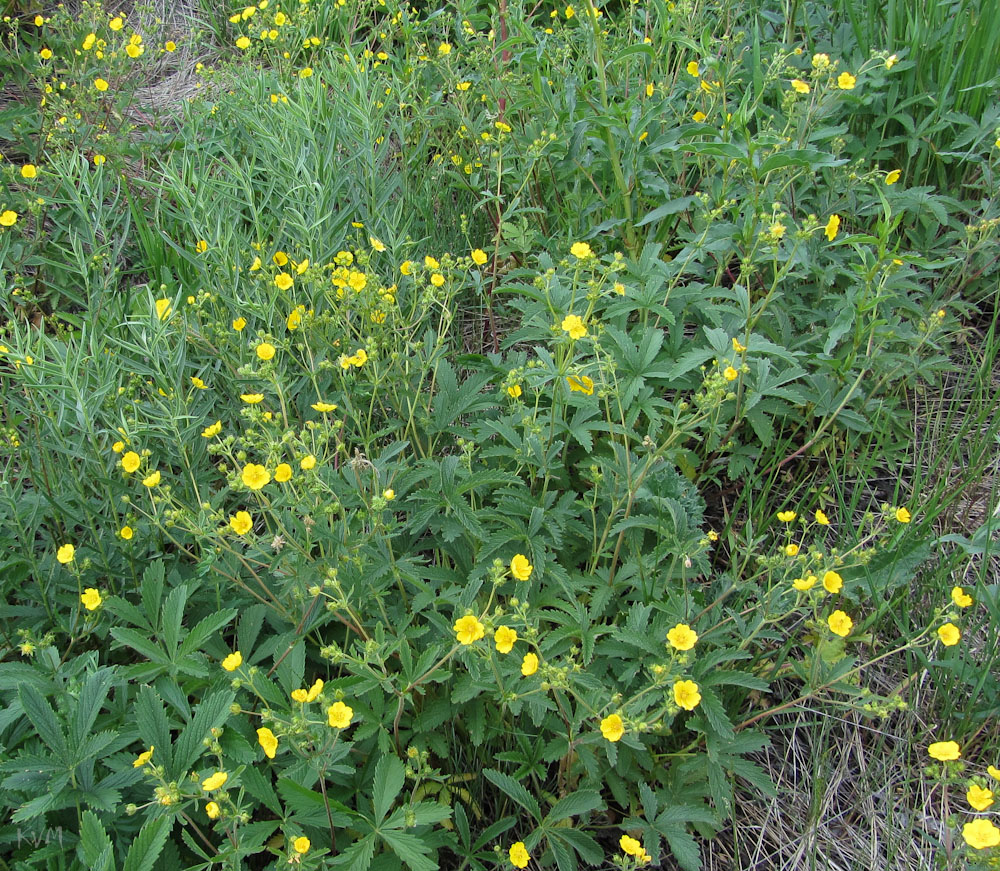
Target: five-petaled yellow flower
x: 91, y: 599
x: 949, y: 634
x: 8, y: 218
x: 804, y: 584
x: 686, y: 694
x: 282, y: 472
x: 514, y: 391
x: 233, y: 661
x: 960, y: 597
x: 581, y: 250
x: 692, y: 68
x: 682, y: 637
x: 979, y: 798
x: 265, y: 351
x: 518, y: 855
x: 130, y: 461
x: 520, y: 568
x: 151, y: 480
x: 468, y: 629
x: 832, y: 582
x: 821, y: 518
x: 215, y: 781
x: 902, y: 515
x: 786, y: 516
x: 799, y: 86
x: 324, y: 407
x: 504, y: 639
x: 981, y: 834
x: 580, y: 384
x: 301, y: 845
x: 846, y: 82
x: 574, y: 325
x: 213, y: 810
x: 255, y: 476
x: 241, y: 522
x: 268, y: 741
x: 66, y: 553
x: 613, y: 727
x: 893, y: 176
x: 839, y: 623
x: 339, y: 715
x: 479, y: 257
x: 163, y: 308
x: 832, y: 227
x: 730, y: 374
x: 529, y: 665
x: 144, y: 757
x: 212, y: 429
x: 944, y: 751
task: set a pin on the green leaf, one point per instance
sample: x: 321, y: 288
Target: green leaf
x: 141, y: 644
x: 211, y: 713
x: 411, y: 849
x: 514, y: 790
x: 145, y: 849
x: 90, y: 702
x: 172, y: 618
x: 204, y: 629
x: 98, y: 851
x: 574, y: 805
x: 390, y: 774
x: 43, y: 718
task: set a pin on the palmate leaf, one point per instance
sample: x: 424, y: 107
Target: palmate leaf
x: 390, y: 774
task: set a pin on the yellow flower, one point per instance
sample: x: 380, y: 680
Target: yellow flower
x: 698, y: 117
x: 612, y: 728
x: 305, y: 72
x: 804, y: 584
x: 949, y: 634
x: 437, y: 279
x: 324, y: 406
x: 832, y: 582
x: 130, y: 462
x: 960, y: 597
x: 213, y: 810
x: 294, y: 320
x: 8, y: 218
x: 468, y: 629
x: 777, y: 230
x: 520, y: 568
x: 201, y: 247
x: 99, y: 160
x: 504, y: 639
x: 686, y: 694
x: 479, y: 256
x: 619, y: 288
x: 389, y: 494
x: 339, y: 715
x: 406, y: 267
x: 845, y: 81
x: 39, y: 21
x: 891, y: 61
x: 116, y: 23
x: 91, y: 599
x: 307, y: 463
x: 212, y: 430
x: 682, y: 637
x: 993, y: 772
x: 518, y: 855
x: 514, y: 391
x: 800, y: 86
x: 163, y: 309
x: 252, y: 398
x: 944, y: 751
x: 265, y: 351
x: 580, y: 384
x: 268, y: 741
x: 215, y: 781
x: 360, y: 357
x: 239, y: 324
x: 444, y: 48
x: 574, y: 325
x: 902, y: 515
x: 786, y: 516
x: 730, y: 374
x: 979, y: 798
x: 529, y: 665
x: 832, y: 227
x: 632, y: 847
x: 170, y: 45
x: 581, y: 250
x: 144, y: 757
x: 821, y: 518
x: 692, y: 69
x: 283, y: 281
x: 243, y: 43
x: 233, y: 661
x: 570, y: 12
x: 126, y: 533
x: 66, y: 553
x: 791, y: 550
x: 197, y: 382
x: 981, y: 834
x: 893, y: 176
x: 255, y: 476
x: 301, y: 845
x: 28, y: 171
x: 45, y: 54
x: 314, y: 690
x: 282, y: 473
x: 840, y: 624
x: 100, y: 84
x: 151, y: 480
x: 241, y: 522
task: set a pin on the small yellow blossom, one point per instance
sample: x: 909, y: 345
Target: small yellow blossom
x: 520, y: 568
x: 580, y: 384
x: 307, y: 463
x: 581, y: 250
x: 91, y: 599
x: 981, y: 834
x: 213, y: 810
x: 893, y: 176
x: 800, y: 87
x: 504, y: 638
x: 151, y: 480
x: 241, y: 522
x: 832, y: 227
x: 339, y: 715
x: 944, y: 751
x: 687, y: 695
x: 282, y: 473
x: 682, y: 637
x: 846, y: 82
x: 840, y: 624
x: 786, y: 516
x: 267, y: 740
x: 832, y: 582
x: 301, y: 845
x: 468, y: 629
x: 29, y: 171
x: 255, y: 476
x: 821, y: 518
x: 239, y: 324
x: 130, y: 461
x: 215, y: 781
x: 212, y: 430
x: 692, y: 69
x: 804, y: 584
x: 613, y: 728
x: 233, y: 661
x: 144, y: 757
x: 265, y: 351
x: 126, y: 533
x: 479, y: 256
x: 518, y: 855
x: 529, y: 665
x: 979, y: 798
x: 902, y: 515
x: 574, y: 325
x: 960, y: 597
x: 66, y: 553
x: 949, y: 634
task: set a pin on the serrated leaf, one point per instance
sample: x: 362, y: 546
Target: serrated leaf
x: 390, y: 774
x: 44, y: 719
x: 514, y: 790
x: 145, y: 849
x: 574, y: 805
x: 411, y: 849
x: 89, y: 703
x: 98, y: 851
x: 203, y: 630
x: 684, y: 848
x: 172, y: 618
x: 211, y: 713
